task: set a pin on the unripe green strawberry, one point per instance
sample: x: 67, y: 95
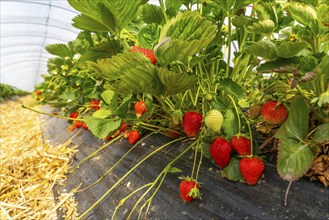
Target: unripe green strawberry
x: 251, y: 169
x: 208, y: 97
x: 214, y: 120
x: 254, y: 111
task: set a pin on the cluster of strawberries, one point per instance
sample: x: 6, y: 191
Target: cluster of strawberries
x: 251, y: 167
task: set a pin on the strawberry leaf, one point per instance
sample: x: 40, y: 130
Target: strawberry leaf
x: 148, y: 36
x: 230, y: 124
x: 122, y: 110
x: 261, y: 27
x: 294, y: 159
x: 321, y: 134
x: 231, y: 88
x: 265, y: 49
x: 110, y: 98
x: 102, y: 127
x: 296, y: 126
x: 174, y: 170
x: 232, y: 170
x: 87, y: 23
x: 290, y: 49
x: 101, y: 51
x: 324, y: 66
x: 151, y: 14
x: 265, y: 10
x: 102, y: 113
x: 234, y: 5
x: 323, y: 11
x: 61, y: 50
x: 105, y: 15
x: 182, y: 37
x: 280, y: 65
x: 302, y: 13
x: 241, y: 21
x: 295, y: 156
x: 173, y: 82
x: 129, y: 73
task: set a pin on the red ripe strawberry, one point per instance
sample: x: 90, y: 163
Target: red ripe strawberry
x: 273, y: 113
x: 241, y: 145
x: 133, y: 136
x: 220, y: 151
x: 148, y: 53
x: 37, y: 92
x: 173, y: 134
x: 140, y: 108
x: 189, y: 189
x: 74, y: 115
x: 192, y: 122
x: 84, y: 125
x: 251, y: 169
x: 77, y: 124
x: 94, y: 104
x: 123, y: 126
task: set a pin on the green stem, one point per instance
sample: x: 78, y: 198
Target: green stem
x: 111, y: 168
x: 163, y: 105
x: 228, y: 43
x: 170, y: 104
x: 163, y: 10
x: 251, y: 137
x: 158, y: 127
x: 197, y: 95
x: 164, y: 171
x: 149, y: 200
x: 122, y: 201
x: 237, y: 113
x: 124, y: 176
x: 52, y: 115
x: 146, y: 192
x: 180, y: 106
x: 195, y: 158
x: 200, y: 160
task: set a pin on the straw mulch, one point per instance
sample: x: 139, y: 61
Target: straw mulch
x: 30, y: 167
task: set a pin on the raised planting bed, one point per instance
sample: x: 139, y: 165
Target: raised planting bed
x: 221, y: 198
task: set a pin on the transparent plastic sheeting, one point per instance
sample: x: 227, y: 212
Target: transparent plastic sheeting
x: 27, y: 26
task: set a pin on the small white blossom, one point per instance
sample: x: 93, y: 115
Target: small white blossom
x: 285, y: 33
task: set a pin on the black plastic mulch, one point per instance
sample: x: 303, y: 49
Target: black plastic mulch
x: 221, y: 198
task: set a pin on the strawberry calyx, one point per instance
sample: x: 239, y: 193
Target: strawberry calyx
x: 195, y: 192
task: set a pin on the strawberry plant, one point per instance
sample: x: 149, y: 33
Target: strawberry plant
x: 203, y: 71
